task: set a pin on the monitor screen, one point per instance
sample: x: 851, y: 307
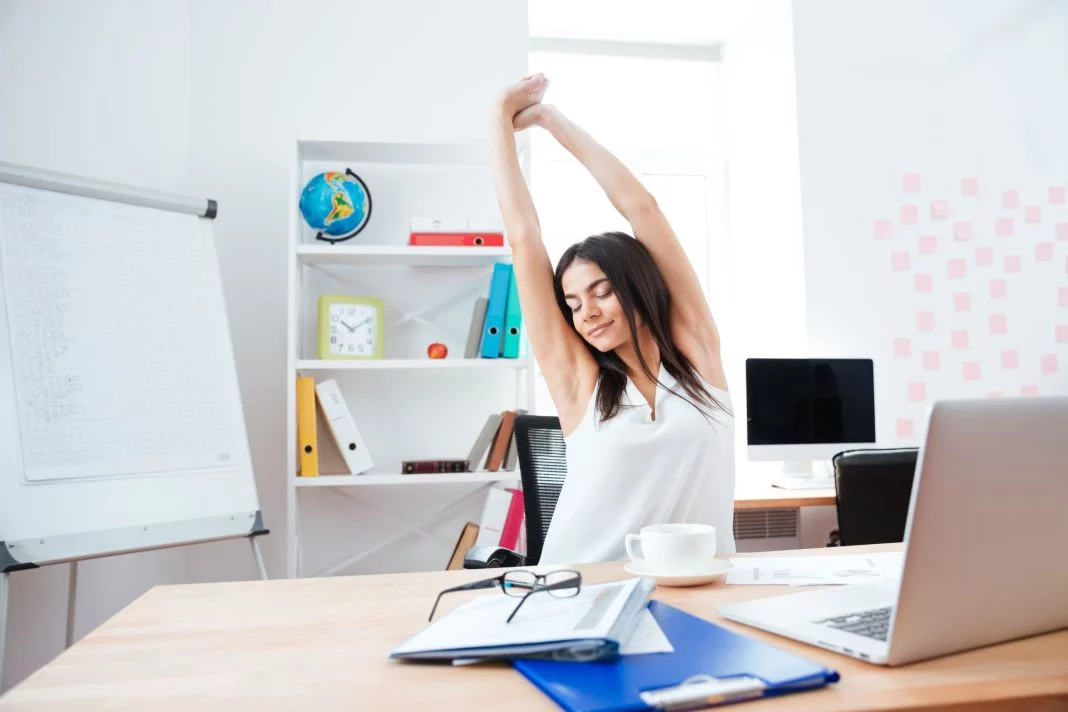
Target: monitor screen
x: 810, y: 401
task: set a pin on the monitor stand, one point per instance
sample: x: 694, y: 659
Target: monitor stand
x: 799, y: 475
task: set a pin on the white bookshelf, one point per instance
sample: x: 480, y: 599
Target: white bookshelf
x: 406, y: 405
x: 373, y: 479
x: 455, y: 364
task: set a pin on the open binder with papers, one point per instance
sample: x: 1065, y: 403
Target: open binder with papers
x: 589, y: 626
x: 710, y: 666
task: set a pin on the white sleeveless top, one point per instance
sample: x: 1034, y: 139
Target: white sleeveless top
x: 633, y: 471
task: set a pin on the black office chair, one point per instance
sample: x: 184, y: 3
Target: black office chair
x: 873, y: 488
x: 542, y: 469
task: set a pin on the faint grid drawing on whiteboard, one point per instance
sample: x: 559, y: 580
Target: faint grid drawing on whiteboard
x: 110, y: 381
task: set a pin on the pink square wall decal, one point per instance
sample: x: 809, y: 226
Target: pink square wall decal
x: 1062, y: 231
x: 972, y: 371
x: 1030, y: 390
x: 1012, y: 264
x: 905, y: 428
x: 925, y: 321
x: 1062, y: 297
x: 969, y: 187
x: 940, y: 210
x: 960, y: 339
x: 1061, y: 333
x: 997, y: 289
x: 1043, y: 252
x: 999, y: 324
x: 962, y: 301
x: 1003, y: 227
x: 902, y: 348
x: 1010, y: 199
x: 917, y: 392
x: 883, y: 229
x: 1010, y: 360
x: 929, y: 244
x: 1049, y: 364
x: 910, y: 182
x: 984, y: 256
x: 932, y: 361
x: 956, y: 268
x: 962, y: 231
x: 910, y: 214
x: 1056, y: 195
x: 923, y: 283
x: 1033, y: 214
x: 900, y: 261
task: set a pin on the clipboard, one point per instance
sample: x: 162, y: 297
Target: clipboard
x: 711, y: 666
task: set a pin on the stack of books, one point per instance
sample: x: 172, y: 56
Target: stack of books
x: 494, y: 449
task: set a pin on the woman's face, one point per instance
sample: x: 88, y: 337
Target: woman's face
x: 595, y: 309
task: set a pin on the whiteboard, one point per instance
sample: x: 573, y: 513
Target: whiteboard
x: 121, y: 425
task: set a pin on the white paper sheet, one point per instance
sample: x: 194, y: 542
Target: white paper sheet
x: 814, y: 570
x: 646, y: 638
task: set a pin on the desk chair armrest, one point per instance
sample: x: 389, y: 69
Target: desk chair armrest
x: 492, y: 557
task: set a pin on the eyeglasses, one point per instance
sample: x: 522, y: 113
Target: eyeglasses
x: 565, y: 583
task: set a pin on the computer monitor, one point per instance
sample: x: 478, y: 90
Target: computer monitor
x: 804, y: 410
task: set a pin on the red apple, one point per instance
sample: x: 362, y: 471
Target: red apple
x: 437, y: 350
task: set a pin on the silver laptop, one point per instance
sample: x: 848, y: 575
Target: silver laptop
x: 986, y: 544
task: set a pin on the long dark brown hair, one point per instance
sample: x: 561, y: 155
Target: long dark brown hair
x: 641, y: 290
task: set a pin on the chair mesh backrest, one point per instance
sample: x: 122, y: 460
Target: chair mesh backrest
x: 542, y: 469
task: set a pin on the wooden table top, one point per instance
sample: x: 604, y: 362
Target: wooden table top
x: 321, y: 644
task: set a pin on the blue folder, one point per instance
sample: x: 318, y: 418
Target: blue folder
x: 493, y: 329
x: 710, y: 665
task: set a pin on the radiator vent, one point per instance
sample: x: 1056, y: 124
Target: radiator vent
x: 766, y: 523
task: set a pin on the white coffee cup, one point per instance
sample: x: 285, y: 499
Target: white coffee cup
x: 675, y: 548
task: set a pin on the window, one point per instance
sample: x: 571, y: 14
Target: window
x: 659, y: 109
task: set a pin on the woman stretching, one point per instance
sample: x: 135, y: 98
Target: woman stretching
x: 629, y: 350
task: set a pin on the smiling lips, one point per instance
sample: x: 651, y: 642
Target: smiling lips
x: 597, y: 330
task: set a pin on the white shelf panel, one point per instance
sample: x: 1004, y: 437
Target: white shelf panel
x: 396, y: 479
x: 494, y: 364
x: 402, y: 255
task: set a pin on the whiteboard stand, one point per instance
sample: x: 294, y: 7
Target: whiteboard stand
x: 128, y: 452
x: 3, y: 624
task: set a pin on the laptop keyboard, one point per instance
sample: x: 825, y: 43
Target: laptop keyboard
x: 871, y: 624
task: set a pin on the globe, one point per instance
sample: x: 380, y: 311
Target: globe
x: 336, y: 204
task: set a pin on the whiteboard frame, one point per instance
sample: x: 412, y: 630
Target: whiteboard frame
x: 40, y: 551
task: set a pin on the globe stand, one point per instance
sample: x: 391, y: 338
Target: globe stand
x: 333, y: 239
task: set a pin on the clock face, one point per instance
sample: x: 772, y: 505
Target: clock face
x: 353, y: 330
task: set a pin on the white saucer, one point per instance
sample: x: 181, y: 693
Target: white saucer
x: 713, y: 572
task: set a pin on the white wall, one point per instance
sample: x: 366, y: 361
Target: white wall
x: 765, y: 312
x: 80, y: 95
x: 948, y: 90
x: 207, y: 98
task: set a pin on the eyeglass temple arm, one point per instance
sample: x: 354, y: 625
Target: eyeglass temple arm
x: 473, y: 586
x: 570, y: 583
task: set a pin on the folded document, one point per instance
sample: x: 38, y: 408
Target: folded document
x: 590, y: 626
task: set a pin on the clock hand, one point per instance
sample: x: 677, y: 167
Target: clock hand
x: 350, y: 328
x: 365, y: 321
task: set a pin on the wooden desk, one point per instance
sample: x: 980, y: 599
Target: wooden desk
x: 320, y: 644
x: 755, y: 491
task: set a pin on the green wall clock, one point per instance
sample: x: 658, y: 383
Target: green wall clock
x: 351, y: 327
